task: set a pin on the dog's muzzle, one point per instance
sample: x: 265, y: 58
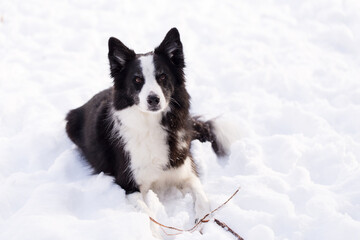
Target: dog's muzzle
x: 153, y: 101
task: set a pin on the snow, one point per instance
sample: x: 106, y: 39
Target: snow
x: 286, y: 72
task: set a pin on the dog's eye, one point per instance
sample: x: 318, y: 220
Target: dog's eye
x: 138, y: 80
x: 162, y: 77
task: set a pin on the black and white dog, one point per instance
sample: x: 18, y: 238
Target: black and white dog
x: 140, y: 130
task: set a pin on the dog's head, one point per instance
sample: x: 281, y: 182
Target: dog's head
x: 146, y: 80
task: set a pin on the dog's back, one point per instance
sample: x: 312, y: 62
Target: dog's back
x: 90, y: 127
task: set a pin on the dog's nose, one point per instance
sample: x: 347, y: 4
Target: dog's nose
x: 153, y: 100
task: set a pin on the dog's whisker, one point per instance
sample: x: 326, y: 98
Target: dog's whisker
x: 176, y: 102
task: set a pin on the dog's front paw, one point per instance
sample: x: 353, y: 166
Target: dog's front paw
x: 202, y: 211
x: 155, y: 230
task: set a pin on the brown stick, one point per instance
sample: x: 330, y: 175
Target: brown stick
x: 237, y: 190
x: 203, y: 220
x: 227, y: 228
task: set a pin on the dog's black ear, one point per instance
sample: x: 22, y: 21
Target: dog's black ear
x: 118, y: 55
x: 171, y: 47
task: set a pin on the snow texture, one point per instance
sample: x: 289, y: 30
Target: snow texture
x: 286, y: 72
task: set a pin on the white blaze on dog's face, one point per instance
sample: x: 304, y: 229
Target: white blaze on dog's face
x: 151, y: 96
x: 146, y: 80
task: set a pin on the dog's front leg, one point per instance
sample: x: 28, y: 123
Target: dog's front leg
x: 137, y: 199
x: 202, y: 205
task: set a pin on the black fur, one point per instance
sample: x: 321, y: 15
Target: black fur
x: 90, y: 126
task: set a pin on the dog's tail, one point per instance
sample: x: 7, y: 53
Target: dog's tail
x: 220, y: 133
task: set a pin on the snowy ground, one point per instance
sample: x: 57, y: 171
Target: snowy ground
x: 286, y: 71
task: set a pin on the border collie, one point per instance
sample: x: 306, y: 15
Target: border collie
x: 139, y: 131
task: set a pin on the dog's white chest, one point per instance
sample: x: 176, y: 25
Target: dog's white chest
x: 146, y: 142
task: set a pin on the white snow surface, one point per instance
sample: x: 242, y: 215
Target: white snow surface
x: 285, y: 72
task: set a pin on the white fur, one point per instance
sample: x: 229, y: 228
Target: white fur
x: 138, y: 201
x: 146, y: 142
x: 181, y: 137
x: 171, y: 49
x: 226, y: 133
x: 121, y: 58
x: 150, y: 86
